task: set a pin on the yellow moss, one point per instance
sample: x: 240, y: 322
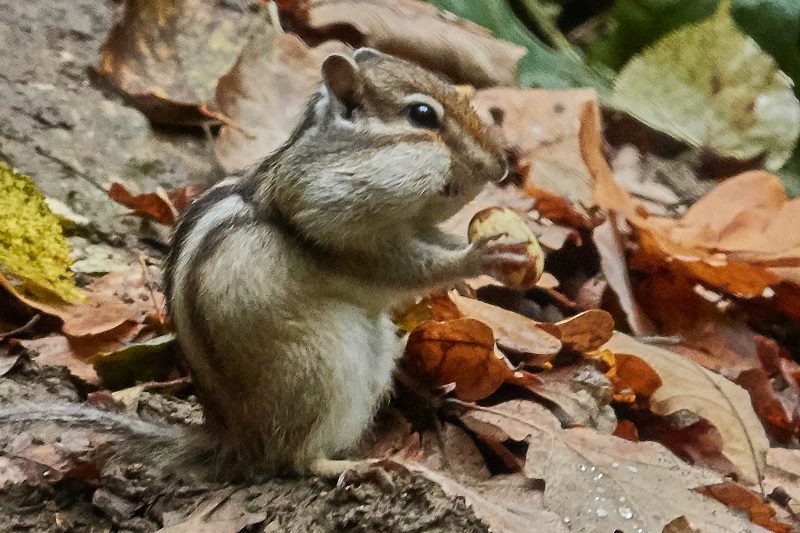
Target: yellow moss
x: 34, y: 255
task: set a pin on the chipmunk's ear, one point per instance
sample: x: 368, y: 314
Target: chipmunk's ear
x: 341, y: 76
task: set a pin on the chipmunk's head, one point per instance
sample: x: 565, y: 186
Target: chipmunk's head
x: 393, y: 143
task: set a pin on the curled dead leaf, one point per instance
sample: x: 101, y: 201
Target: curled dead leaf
x: 161, y: 206
x: 735, y: 496
x: 265, y: 93
x: 418, y: 31
x: 460, y: 351
x: 513, y: 331
x: 687, y: 385
x: 168, y: 54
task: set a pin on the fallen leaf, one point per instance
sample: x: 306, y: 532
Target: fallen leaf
x: 603, y: 483
x: 505, y: 503
x: 168, y: 54
x: 778, y: 416
x: 34, y: 255
x: 687, y: 385
x: 542, y: 127
x: 265, y: 94
x: 688, y: 436
x: 607, y: 194
x: 632, y: 375
x: 153, y: 360
x: 739, y: 237
x: 418, y: 31
x: 160, y: 206
x: 460, y: 351
x: 112, y: 300
x: 736, y: 496
x: 586, y: 331
x: 713, y: 87
x: 436, y: 306
x: 512, y: 331
x: 581, y: 395
x: 55, y: 350
x: 610, y: 247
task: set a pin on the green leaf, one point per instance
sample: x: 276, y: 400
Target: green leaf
x: 636, y: 24
x: 775, y: 26
x: 138, y: 363
x: 789, y: 174
x: 542, y: 66
x: 34, y: 255
x: 713, y: 87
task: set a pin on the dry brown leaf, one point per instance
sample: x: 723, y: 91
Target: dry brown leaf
x: 687, y: 385
x: 608, y: 194
x: 436, y: 306
x: 736, y: 240
x: 505, y: 503
x: 691, y: 438
x: 602, y: 483
x: 160, y: 206
x: 608, y: 241
x: 460, y: 351
x: 112, y: 300
x: 513, y: 331
x: 586, y: 331
x: 680, y: 525
x: 418, y: 31
x: 633, y: 376
x: 748, y: 217
x: 55, y: 350
x: 542, y: 127
x: 776, y: 410
x: 667, y: 292
x: 168, y: 54
x: 265, y: 93
x: 783, y: 472
x: 582, y: 393
x: 736, y: 496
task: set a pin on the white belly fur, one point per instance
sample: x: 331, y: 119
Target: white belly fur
x: 298, y: 370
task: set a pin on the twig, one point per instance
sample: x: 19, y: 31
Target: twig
x: 69, y: 166
x: 149, y: 285
x: 32, y: 322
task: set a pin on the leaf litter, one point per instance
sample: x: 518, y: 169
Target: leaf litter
x: 539, y: 379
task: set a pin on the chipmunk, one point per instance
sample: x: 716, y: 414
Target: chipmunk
x: 280, y: 282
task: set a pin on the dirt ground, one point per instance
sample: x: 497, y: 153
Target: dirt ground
x: 72, y: 135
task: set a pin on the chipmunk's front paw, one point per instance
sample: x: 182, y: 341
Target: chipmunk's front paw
x: 488, y: 256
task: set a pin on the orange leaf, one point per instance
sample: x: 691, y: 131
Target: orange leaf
x: 736, y: 496
x: 159, y: 205
x: 460, y: 351
x: 632, y: 373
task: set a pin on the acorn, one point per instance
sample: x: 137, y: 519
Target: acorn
x: 500, y: 220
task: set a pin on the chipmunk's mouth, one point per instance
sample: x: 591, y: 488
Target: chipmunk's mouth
x: 451, y: 190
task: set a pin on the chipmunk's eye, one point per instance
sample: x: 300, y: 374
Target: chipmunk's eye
x: 423, y: 116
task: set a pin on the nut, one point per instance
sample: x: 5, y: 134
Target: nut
x: 499, y: 220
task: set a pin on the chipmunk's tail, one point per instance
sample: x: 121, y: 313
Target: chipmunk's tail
x: 170, y: 449
x: 25, y: 415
